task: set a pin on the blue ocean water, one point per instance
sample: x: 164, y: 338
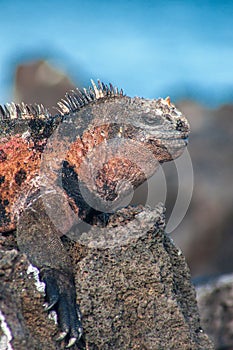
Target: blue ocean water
x: 150, y: 48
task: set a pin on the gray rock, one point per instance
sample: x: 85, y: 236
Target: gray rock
x: 215, y: 301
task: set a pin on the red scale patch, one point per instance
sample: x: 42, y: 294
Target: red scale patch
x: 19, y: 162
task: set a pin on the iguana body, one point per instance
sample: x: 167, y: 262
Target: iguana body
x: 101, y: 139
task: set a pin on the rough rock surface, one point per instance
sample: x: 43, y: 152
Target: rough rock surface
x: 215, y: 301
x: 134, y: 294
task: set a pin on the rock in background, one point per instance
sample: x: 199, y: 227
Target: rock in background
x: 39, y: 82
x: 208, y: 246
x: 215, y: 302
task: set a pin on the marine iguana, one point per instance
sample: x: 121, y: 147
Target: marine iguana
x: 101, y: 143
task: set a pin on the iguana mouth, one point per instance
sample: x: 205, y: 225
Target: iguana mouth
x: 170, y: 139
x: 175, y: 145
x: 168, y: 132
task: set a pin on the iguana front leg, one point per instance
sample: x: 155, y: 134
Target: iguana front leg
x: 38, y: 237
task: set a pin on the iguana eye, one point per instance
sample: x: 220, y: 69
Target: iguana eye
x: 151, y: 119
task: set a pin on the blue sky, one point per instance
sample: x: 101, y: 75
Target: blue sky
x: 150, y: 48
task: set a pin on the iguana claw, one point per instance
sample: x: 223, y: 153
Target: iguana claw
x: 61, y: 295
x: 62, y: 335
x: 72, y: 341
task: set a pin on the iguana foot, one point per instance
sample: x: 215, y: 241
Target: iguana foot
x: 61, y: 297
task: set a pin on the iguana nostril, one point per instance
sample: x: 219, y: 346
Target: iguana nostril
x: 182, y: 126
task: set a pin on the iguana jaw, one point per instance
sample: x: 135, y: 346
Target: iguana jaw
x: 165, y: 150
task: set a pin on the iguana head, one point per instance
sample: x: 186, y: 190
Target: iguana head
x: 157, y: 124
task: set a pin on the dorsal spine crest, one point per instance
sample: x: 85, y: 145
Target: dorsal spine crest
x: 76, y: 99
x: 12, y: 110
x: 73, y: 101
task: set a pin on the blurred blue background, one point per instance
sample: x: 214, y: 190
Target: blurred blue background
x: 149, y: 48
